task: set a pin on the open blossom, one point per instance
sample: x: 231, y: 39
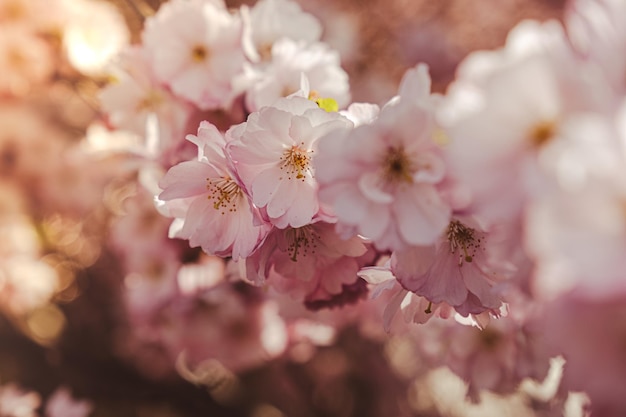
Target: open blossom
x: 311, y: 264
x: 382, y: 179
x: 135, y: 94
x: 520, y: 133
x: 271, y: 20
x: 579, y: 230
x: 272, y: 154
x: 214, y: 211
x: 195, y: 48
x: 280, y: 75
x: 454, y: 270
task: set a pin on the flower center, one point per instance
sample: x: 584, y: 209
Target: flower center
x: 464, y: 240
x: 224, y: 193
x: 397, y: 166
x: 542, y: 133
x: 199, y: 53
x: 296, y: 162
x: 151, y: 101
x: 300, y: 241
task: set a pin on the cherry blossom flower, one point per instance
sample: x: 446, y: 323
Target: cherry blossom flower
x: 502, y: 126
x: 135, y: 94
x: 280, y: 76
x: 195, y: 48
x: 215, y: 212
x: 311, y: 264
x: 381, y: 179
x: 454, y: 270
x: 272, y: 154
x: 271, y: 20
x: 577, y: 230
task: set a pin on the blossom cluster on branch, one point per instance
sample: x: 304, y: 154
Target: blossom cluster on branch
x: 499, y: 203
x: 256, y: 213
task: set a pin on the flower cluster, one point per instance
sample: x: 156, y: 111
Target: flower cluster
x: 241, y: 210
x: 507, y: 187
x: 486, y: 204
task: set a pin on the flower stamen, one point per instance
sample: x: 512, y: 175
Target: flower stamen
x: 300, y: 240
x: 542, y: 133
x: 199, y: 53
x: 224, y: 192
x: 296, y: 162
x: 429, y: 308
x: 397, y: 166
x: 464, y: 238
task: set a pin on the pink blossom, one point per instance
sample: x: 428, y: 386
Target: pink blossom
x: 207, y: 196
x: 272, y: 154
x: 501, y: 126
x: 310, y: 263
x: 195, y: 48
x: 381, y: 179
x: 271, y: 20
x: 135, y: 94
x: 280, y: 76
x: 454, y: 270
x: 578, y: 229
x: 26, y: 284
